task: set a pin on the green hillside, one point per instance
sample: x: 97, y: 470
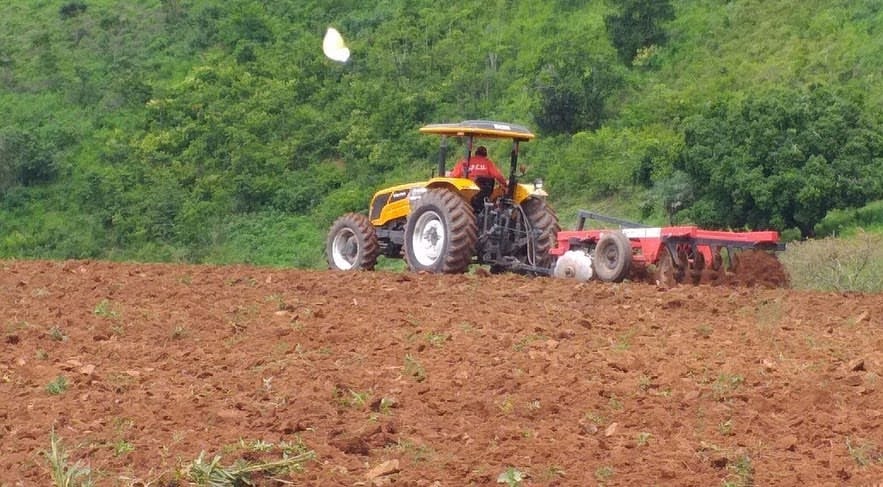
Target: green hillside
x: 216, y: 131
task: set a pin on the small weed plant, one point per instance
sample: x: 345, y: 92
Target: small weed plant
x: 414, y: 369
x: 179, y: 332
x: 418, y: 452
x: 256, y: 445
x: 123, y: 447
x: 437, y: 339
x: 725, y: 428
x: 351, y: 399
x: 741, y: 473
x: 604, y: 474
x: 725, y: 385
x: 506, y: 405
x: 864, y: 453
x: 57, y: 386
x: 63, y: 473
x: 57, y: 334
x: 212, y: 473
x: 511, y: 477
x: 106, y: 309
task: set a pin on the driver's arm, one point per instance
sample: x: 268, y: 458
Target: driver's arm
x: 496, y: 174
x: 457, y: 172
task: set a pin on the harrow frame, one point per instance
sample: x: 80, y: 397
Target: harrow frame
x: 674, y: 249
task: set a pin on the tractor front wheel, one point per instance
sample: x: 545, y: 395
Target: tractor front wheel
x: 352, y: 243
x: 440, y: 234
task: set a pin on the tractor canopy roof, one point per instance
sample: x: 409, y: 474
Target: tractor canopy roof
x: 480, y: 128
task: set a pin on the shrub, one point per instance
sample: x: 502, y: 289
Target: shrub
x: 837, y: 264
x: 836, y: 222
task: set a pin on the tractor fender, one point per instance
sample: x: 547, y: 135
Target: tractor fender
x: 456, y: 184
x: 525, y: 191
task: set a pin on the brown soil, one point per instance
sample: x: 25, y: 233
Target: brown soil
x: 457, y: 378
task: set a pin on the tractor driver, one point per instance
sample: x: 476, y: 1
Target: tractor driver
x: 480, y: 166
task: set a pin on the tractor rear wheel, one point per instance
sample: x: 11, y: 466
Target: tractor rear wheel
x: 542, y: 218
x: 352, y: 243
x: 613, y: 257
x: 440, y: 234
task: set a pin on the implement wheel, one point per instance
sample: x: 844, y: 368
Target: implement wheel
x: 613, y: 257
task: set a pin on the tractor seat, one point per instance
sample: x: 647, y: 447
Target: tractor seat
x: 486, y: 188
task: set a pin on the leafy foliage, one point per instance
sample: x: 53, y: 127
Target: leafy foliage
x: 781, y: 159
x: 573, y: 95
x: 638, y: 26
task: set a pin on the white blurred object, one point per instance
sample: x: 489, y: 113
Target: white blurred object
x: 334, y: 47
x: 574, y: 264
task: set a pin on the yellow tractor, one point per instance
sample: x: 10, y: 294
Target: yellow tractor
x: 447, y: 223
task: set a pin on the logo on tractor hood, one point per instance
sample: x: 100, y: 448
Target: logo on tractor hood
x: 398, y: 195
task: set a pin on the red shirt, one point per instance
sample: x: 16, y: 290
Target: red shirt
x: 479, y: 166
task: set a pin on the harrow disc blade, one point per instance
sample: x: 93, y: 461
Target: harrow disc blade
x: 574, y: 264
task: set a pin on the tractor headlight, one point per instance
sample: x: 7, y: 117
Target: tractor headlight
x: 537, y: 184
x: 415, y: 194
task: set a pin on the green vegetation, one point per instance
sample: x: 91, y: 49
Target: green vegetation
x: 215, y: 131
x: 351, y: 399
x: 123, y: 447
x: 57, y: 386
x: 201, y: 471
x: 726, y: 385
x: 106, y: 309
x: 511, y: 477
x: 63, y: 473
x: 414, y: 369
x: 205, y: 472
x: 865, y: 453
x: 604, y: 473
x: 741, y: 472
x: 836, y: 264
x: 57, y: 334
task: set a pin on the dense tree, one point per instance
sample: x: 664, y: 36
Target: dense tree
x: 781, y: 159
x: 573, y: 95
x: 637, y: 25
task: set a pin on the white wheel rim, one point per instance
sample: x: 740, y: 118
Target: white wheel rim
x: 345, y: 249
x: 428, y: 239
x: 610, y: 256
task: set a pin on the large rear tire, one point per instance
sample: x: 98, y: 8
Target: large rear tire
x: 613, y: 257
x: 440, y: 234
x: 542, y: 218
x: 352, y: 243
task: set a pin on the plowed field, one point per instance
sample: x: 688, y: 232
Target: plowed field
x: 406, y: 379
